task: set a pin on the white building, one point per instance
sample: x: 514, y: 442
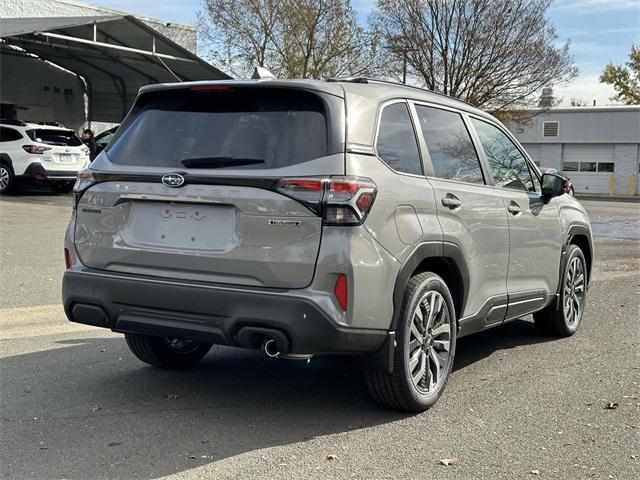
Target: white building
x: 597, y: 147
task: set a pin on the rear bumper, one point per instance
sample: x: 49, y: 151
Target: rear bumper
x: 35, y: 171
x: 207, y: 312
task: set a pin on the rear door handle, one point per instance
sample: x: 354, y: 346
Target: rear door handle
x: 514, y: 208
x: 451, y: 201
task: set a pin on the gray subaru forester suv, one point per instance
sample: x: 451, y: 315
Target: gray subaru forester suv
x: 301, y: 217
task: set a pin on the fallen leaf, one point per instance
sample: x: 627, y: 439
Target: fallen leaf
x: 95, y: 408
x: 331, y: 457
x: 449, y: 461
x: 611, y: 405
x: 535, y: 472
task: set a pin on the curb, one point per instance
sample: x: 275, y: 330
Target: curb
x: 609, y: 198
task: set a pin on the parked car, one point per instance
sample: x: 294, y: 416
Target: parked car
x: 103, y: 139
x: 304, y: 217
x: 42, y: 153
x: 568, y: 185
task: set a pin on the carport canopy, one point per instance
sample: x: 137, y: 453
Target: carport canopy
x: 115, y: 55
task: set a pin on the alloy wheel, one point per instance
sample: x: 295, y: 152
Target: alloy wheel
x: 429, y: 342
x: 4, y: 178
x: 574, y: 290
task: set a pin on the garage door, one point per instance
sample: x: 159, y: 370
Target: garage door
x: 589, y: 167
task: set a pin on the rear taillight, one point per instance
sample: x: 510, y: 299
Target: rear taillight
x: 68, y: 260
x: 83, y: 181
x: 35, y: 149
x: 339, y: 200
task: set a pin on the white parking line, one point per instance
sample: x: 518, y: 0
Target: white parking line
x: 23, y: 322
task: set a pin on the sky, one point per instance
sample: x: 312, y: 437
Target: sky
x: 600, y: 31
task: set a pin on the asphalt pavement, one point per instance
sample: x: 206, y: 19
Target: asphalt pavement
x: 76, y: 404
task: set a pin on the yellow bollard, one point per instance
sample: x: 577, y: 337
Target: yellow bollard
x: 612, y: 184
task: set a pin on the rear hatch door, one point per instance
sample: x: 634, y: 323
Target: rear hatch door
x: 65, y: 151
x: 184, y: 190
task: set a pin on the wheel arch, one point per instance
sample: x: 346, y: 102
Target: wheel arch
x: 580, y: 235
x: 5, y: 159
x: 442, y: 258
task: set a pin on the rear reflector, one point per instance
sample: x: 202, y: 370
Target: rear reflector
x: 341, y: 291
x: 67, y: 258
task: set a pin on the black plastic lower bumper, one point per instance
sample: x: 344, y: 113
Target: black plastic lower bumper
x: 205, y: 312
x: 37, y: 172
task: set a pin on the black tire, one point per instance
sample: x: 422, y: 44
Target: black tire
x: 555, y: 320
x: 7, y: 178
x: 397, y: 389
x: 157, y: 351
x: 62, y: 187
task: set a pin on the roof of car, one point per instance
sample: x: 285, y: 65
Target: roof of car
x: 375, y: 89
x: 31, y: 125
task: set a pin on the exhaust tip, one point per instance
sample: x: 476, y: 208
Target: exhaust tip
x: 270, y: 348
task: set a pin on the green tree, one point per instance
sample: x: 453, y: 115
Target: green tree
x: 625, y: 79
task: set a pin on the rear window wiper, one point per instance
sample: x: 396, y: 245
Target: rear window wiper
x: 219, y: 162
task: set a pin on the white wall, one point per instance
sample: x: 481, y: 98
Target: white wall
x: 46, y: 93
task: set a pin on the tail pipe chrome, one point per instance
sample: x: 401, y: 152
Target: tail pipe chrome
x: 270, y: 348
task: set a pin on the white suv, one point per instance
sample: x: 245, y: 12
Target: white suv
x: 40, y: 152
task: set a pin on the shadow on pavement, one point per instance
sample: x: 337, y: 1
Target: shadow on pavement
x: 89, y: 409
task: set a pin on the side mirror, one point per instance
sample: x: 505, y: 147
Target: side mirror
x: 553, y: 185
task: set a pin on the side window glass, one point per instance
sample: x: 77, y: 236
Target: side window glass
x: 397, y: 144
x: 508, y: 166
x: 452, y: 153
x: 9, y: 135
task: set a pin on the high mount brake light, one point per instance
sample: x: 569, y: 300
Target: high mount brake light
x: 339, y: 200
x: 211, y: 88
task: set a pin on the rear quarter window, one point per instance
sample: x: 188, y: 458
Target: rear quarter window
x: 396, y: 144
x: 9, y: 135
x: 232, y: 128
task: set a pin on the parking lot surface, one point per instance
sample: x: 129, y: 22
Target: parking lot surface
x: 75, y: 403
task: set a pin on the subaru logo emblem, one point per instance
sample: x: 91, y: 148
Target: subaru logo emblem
x: 173, y: 180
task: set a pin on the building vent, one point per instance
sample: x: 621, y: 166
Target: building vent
x: 550, y: 129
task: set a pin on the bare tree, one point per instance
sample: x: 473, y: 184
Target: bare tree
x: 495, y: 54
x: 292, y: 38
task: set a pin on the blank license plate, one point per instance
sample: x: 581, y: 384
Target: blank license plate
x: 184, y: 227
x: 65, y: 158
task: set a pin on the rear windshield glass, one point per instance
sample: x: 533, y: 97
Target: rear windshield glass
x: 229, y: 128
x: 65, y: 138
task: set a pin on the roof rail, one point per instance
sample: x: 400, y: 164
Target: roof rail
x: 50, y: 124
x: 391, y: 82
